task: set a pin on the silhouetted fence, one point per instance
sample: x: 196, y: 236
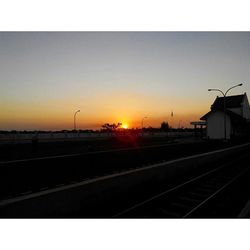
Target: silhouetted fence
x: 19, y: 137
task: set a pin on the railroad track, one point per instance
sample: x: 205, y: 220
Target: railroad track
x: 197, y: 197
x: 134, y: 193
x: 18, y: 191
x: 20, y: 177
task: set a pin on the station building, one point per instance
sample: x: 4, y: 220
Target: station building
x: 237, y: 117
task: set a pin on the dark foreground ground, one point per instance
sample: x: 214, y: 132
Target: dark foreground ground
x: 75, y: 161
x: 86, y: 161
x: 40, y: 148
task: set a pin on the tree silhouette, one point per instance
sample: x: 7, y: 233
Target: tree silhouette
x: 111, y: 127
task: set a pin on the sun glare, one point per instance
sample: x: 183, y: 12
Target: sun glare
x: 125, y: 126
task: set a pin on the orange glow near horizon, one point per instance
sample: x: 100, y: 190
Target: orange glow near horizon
x: 48, y: 121
x: 58, y: 113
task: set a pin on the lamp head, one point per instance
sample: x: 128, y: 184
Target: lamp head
x: 240, y: 84
x: 209, y: 89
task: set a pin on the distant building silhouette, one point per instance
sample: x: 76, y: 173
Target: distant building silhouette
x: 237, y: 117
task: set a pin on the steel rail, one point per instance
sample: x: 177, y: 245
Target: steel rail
x: 176, y: 188
x: 136, y: 168
x: 215, y: 193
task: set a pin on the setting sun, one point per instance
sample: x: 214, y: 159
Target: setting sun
x: 125, y: 126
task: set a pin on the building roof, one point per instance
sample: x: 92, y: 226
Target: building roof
x: 234, y: 101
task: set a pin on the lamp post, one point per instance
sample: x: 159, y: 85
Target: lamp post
x: 75, y: 119
x: 224, y: 98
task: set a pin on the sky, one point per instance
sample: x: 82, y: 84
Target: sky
x: 116, y: 77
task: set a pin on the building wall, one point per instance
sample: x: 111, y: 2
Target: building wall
x: 245, y: 108
x: 215, y: 126
x: 237, y: 111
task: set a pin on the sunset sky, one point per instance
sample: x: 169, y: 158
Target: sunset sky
x: 116, y: 77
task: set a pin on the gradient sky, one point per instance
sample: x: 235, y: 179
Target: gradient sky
x: 116, y: 76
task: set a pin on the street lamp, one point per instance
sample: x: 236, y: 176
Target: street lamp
x: 75, y: 119
x: 224, y: 95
